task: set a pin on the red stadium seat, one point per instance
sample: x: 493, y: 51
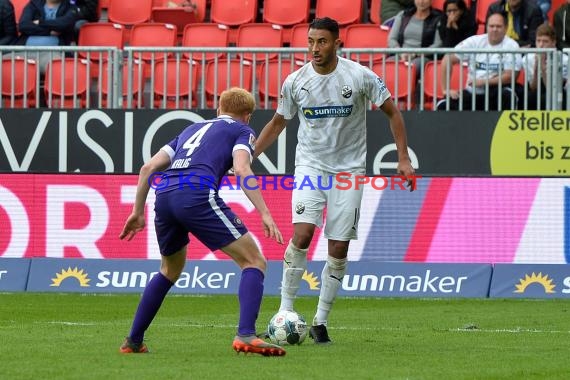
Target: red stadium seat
x: 299, y: 39
x: 402, y: 74
x: 432, y: 81
x: 136, y: 84
x: 271, y: 77
x: 481, y: 12
x: 179, y: 16
x: 375, y: 7
x: 153, y: 35
x: 66, y: 83
x: 129, y: 12
x: 287, y: 14
x: 176, y: 84
x: 223, y: 74
x: 205, y: 35
x: 259, y: 35
x: 366, y: 36
x: 345, y: 12
x: 19, y: 79
x: 100, y: 34
x: 233, y: 13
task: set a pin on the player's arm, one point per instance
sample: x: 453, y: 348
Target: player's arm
x: 136, y: 222
x: 399, y: 132
x: 242, y: 169
x: 269, y: 133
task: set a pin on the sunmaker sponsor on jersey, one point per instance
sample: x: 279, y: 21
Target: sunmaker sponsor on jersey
x: 327, y: 111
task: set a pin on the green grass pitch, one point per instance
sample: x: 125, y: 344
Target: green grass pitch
x: 77, y: 336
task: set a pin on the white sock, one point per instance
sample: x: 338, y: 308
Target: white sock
x: 331, y: 280
x: 294, y: 265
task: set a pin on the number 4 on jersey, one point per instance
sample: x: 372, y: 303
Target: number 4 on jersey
x: 193, y: 141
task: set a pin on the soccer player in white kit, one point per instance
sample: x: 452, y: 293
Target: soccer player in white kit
x: 330, y: 95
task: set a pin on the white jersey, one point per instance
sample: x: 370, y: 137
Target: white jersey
x: 332, y: 113
x: 529, y: 62
x: 489, y: 65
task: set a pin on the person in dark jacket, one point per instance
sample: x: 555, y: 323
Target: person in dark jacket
x: 8, y: 29
x: 562, y: 25
x: 46, y: 23
x: 524, y: 16
x: 457, y: 23
x: 85, y: 11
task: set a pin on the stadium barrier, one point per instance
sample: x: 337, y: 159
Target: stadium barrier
x: 418, y: 280
x: 182, y: 77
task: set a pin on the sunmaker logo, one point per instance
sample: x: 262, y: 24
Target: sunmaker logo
x: 534, y: 278
x: 76, y: 273
x: 324, y: 112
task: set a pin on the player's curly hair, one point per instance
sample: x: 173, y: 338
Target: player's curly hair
x: 237, y: 101
x: 326, y: 23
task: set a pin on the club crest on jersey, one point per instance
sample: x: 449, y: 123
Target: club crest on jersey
x: 238, y: 222
x: 300, y: 208
x: 346, y: 91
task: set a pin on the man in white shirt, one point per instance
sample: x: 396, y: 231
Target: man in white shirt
x: 330, y: 96
x: 496, y: 70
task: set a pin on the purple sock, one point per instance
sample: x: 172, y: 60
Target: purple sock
x: 250, y: 293
x: 149, y: 304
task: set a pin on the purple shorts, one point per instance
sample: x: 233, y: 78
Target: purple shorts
x: 201, y: 212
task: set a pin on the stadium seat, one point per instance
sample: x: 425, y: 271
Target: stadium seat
x: 179, y: 16
x: 286, y: 13
x: 176, y: 84
x: 66, y: 83
x: 345, y: 12
x: 375, y: 7
x: 136, y: 85
x: 223, y: 74
x: 100, y: 34
x: 366, y: 36
x: 405, y: 76
x: 259, y: 35
x: 19, y: 79
x: 481, y: 11
x: 129, y: 12
x: 19, y: 6
x: 271, y: 77
x: 205, y: 35
x: 299, y: 40
x: 432, y: 80
x: 152, y: 34
x: 233, y: 13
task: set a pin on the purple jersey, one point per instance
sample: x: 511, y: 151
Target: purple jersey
x: 203, y: 153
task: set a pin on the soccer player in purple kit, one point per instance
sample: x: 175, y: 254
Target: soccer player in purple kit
x: 190, y: 203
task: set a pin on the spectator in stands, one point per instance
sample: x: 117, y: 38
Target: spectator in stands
x: 47, y: 23
x: 85, y: 11
x: 523, y: 18
x: 484, y: 69
x: 457, y: 23
x: 416, y: 28
x: 537, y: 68
x: 390, y: 8
x: 9, y: 30
x: 562, y: 25
x: 544, y: 6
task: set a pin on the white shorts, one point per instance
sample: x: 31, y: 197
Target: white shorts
x: 314, y: 190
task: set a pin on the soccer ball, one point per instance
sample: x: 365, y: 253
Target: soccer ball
x: 287, y: 327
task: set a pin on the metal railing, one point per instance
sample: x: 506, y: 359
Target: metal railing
x: 182, y: 77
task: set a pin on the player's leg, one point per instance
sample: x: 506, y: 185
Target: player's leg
x: 172, y: 239
x: 247, y: 255
x: 308, y: 203
x: 341, y: 226
x: 156, y: 290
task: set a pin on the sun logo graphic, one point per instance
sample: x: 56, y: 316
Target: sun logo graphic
x: 312, y: 280
x: 535, y: 279
x: 79, y: 275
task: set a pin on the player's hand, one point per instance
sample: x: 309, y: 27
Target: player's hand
x: 134, y: 224
x: 270, y: 228
x: 405, y: 169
